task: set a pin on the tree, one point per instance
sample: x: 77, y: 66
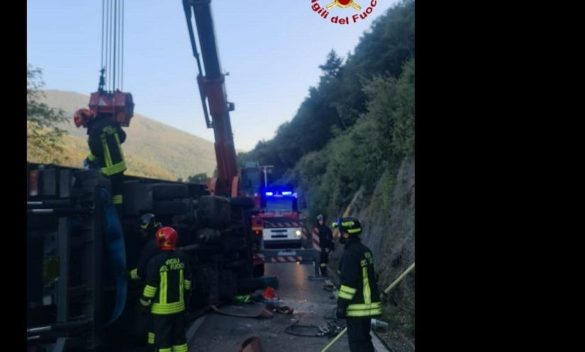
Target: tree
x: 332, y: 65
x: 199, y: 178
x: 41, y: 120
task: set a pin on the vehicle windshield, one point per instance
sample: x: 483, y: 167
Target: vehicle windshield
x: 280, y: 205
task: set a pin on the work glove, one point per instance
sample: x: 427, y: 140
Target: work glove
x: 144, y: 305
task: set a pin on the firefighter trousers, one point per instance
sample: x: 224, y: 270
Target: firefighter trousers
x: 358, y: 334
x: 324, y: 259
x: 117, y: 187
x: 169, y: 333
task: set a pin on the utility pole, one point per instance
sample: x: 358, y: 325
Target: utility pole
x: 264, y: 169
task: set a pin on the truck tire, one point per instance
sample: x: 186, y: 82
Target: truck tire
x: 171, y: 207
x: 258, y: 270
x: 213, y: 212
x: 244, y: 202
x: 169, y: 191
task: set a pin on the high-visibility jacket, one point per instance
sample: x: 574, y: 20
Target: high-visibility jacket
x: 105, y: 139
x: 167, y: 280
x: 359, y: 290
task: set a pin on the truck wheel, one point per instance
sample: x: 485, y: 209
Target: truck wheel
x: 258, y: 270
x: 169, y: 191
x: 171, y: 207
x: 244, y: 202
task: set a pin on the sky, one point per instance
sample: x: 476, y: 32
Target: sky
x: 271, y: 49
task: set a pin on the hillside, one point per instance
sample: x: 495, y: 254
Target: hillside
x: 152, y: 149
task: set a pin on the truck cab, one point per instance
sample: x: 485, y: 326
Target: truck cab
x: 280, y: 219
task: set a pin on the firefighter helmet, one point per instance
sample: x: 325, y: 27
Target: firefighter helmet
x: 166, y: 238
x: 349, y: 225
x: 149, y: 224
x: 82, y: 117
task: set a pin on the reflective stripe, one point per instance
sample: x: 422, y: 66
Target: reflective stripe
x: 187, y: 284
x: 134, y: 274
x: 180, y: 348
x: 353, y: 230
x: 324, y: 264
x: 162, y: 298
x: 366, y: 283
x: 344, y: 295
x: 145, y: 302
x: 166, y: 349
x: 347, y: 289
x: 91, y: 157
x: 364, y: 313
x: 358, y: 306
x: 149, y: 291
x: 117, y: 199
x: 181, y: 286
x: 150, y: 339
x: 348, y: 223
x: 169, y: 308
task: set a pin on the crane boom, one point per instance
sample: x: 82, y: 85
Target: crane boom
x: 212, y: 87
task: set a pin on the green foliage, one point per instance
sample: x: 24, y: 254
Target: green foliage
x: 339, y: 101
x: 43, y: 135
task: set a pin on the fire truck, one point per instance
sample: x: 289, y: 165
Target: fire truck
x: 279, y: 218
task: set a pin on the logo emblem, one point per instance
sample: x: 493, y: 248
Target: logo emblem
x: 344, y: 4
x: 322, y: 8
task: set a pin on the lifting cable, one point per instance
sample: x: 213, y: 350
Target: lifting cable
x: 112, y: 45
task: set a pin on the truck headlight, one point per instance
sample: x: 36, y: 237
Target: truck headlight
x: 298, y: 233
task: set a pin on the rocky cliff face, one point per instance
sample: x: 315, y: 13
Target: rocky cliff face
x: 387, y: 217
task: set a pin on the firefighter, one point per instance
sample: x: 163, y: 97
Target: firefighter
x: 148, y: 226
x: 358, y: 300
x: 325, y: 242
x: 168, y: 280
x: 105, y: 137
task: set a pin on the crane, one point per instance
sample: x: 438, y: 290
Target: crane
x: 213, y: 96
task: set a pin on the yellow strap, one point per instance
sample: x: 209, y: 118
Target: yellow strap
x: 134, y: 274
x: 114, y: 169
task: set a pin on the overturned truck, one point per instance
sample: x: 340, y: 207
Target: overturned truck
x: 74, y: 293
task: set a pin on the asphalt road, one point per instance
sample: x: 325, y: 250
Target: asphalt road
x: 312, y: 306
